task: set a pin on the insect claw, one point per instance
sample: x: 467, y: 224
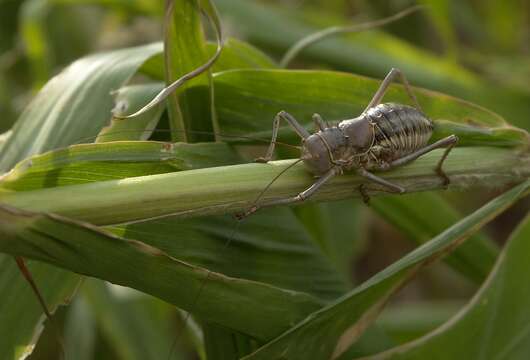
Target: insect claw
x: 445, y: 179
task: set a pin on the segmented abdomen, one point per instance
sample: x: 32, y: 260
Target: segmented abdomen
x: 399, y: 128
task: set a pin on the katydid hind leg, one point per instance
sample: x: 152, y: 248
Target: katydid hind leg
x: 391, y: 77
x: 448, y: 143
x: 451, y: 142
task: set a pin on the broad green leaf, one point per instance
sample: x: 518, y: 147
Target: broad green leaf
x: 338, y: 229
x: 247, y: 100
x: 271, y: 247
x: 222, y: 344
x: 328, y: 332
x: 422, y: 216
x: 257, y: 309
x: 130, y: 99
x: 238, y: 54
x: 89, y: 163
x: 73, y: 105
x: 190, y: 107
x: 494, y: 324
x: 407, y: 321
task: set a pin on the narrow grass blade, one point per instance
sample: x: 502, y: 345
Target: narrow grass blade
x: 494, y: 324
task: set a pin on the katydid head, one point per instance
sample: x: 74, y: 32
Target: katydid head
x: 315, y: 154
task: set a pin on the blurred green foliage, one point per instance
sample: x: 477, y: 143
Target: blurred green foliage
x: 477, y: 50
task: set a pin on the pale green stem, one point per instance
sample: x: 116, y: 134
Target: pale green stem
x: 230, y: 189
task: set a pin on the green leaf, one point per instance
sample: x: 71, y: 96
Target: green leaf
x: 331, y: 330
x: 222, y: 344
x: 247, y: 101
x: 338, y: 229
x: 130, y: 99
x: 371, y: 53
x: 90, y: 163
x: 236, y: 54
x: 407, y: 321
x: 190, y: 107
x: 422, y: 216
x: 257, y: 309
x: 494, y: 324
x: 270, y: 247
x: 73, y: 105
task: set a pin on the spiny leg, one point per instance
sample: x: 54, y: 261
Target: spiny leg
x: 447, y: 142
x: 299, y: 129
x: 363, y: 190
x: 298, y: 198
x: 380, y: 181
x: 380, y: 93
x: 439, y: 170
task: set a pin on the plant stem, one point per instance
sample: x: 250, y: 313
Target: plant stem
x: 230, y: 189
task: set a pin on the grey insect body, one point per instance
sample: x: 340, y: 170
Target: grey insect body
x: 399, y: 130
x: 384, y: 136
x: 373, y: 140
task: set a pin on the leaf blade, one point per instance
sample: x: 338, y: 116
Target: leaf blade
x: 331, y: 330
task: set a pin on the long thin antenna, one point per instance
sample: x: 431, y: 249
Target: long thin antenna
x: 199, y: 132
x: 253, y: 207
x: 311, y: 39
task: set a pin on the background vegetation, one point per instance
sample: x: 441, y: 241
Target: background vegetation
x: 339, y: 261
